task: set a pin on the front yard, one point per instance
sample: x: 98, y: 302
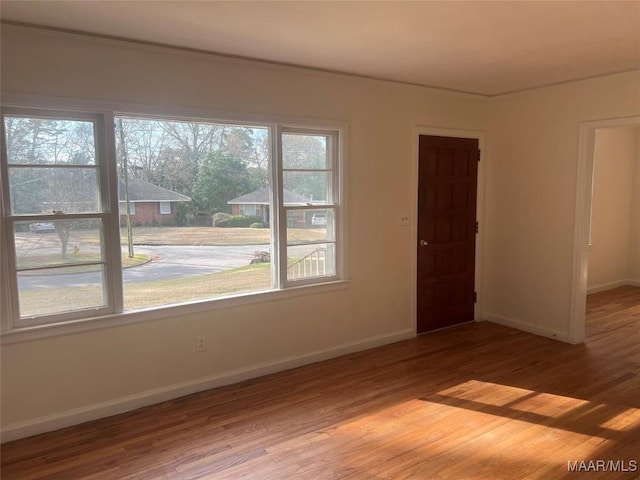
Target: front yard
x: 214, y: 235
x: 154, y: 293
x: 170, y: 236
x: 40, y: 249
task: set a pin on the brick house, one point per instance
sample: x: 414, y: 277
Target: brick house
x: 257, y: 203
x: 148, y: 203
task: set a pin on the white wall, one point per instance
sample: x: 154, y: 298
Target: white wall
x: 48, y: 382
x: 614, y: 166
x: 530, y: 197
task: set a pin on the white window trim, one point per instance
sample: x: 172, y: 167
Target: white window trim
x: 163, y: 211
x: 243, y: 209
x: 335, y: 194
x: 110, y: 228
x: 9, y: 335
x: 122, y: 210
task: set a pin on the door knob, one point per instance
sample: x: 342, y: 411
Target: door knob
x: 423, y: 243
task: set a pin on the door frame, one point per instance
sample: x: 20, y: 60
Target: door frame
x: 446, y: 132
x: 582, y: 220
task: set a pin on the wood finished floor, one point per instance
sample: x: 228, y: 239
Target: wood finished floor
x: 478, y: 401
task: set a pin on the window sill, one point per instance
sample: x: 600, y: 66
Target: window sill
x: 25, y: 334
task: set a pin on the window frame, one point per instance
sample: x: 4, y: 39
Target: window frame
x: 122, y: 208
x: 115, y: 315
x: 333, y: 202
x: 9, y: 219
x: 167, y: 204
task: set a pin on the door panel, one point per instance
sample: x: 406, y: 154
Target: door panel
x: 447, y: 189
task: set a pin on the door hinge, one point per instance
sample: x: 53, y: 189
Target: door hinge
x: 477, y: 227
x: 478, y: 155
x: 475, y: 297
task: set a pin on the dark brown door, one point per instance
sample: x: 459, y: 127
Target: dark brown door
x: 448, y: 172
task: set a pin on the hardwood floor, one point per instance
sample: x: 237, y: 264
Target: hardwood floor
x: 474, y: 402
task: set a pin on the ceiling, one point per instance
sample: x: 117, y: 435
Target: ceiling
x: 487, y: 48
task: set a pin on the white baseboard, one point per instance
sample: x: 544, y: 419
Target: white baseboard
x: 608, y: 286
x: 528, y: 327
x: 131, y: 402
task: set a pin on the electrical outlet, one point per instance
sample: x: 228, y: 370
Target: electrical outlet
x: 404, y: 220
x: 201, y: 344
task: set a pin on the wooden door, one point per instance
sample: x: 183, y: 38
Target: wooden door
x: 447, y: 188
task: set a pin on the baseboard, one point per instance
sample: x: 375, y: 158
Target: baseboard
x: 528, y: 327
x: 131, y: 402
x: 608, y: 286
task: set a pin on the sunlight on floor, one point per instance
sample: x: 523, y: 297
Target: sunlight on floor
x: 555, y: 411
x: 470, y: 430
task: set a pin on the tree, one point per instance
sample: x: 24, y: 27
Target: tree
x: 221, y: 178
x: 44, y: 145
x: 63, y: 228
x: 305, y: 152
x: 179, y: 156
x: 252, y: 146
x: 145, y: 141
x: 194, y: 141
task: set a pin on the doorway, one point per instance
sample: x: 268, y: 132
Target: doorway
x: 614, y: 246
x: 446, y: 231
x: 582, y: 227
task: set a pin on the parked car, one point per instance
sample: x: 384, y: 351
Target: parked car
x: 42, y: 227
x: 319, y: 219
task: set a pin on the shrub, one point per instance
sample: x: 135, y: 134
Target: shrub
x: 257, y: 225
x: 225, y: 220
x: 244, y: 221
x: 221, y: 219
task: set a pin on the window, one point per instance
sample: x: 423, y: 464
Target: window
x: 308, y: 168
x: 60, y: 186
x: 123, y: 208
x: 165, y: 208
x: 248, y: 210
x: 55, y: 199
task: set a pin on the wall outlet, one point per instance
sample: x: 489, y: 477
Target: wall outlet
x: 201, y: 344
x: 404, y: 220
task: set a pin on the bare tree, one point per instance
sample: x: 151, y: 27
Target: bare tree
x: 145, y: 140
x: 63, y: 228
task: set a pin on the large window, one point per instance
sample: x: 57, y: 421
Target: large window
x: 105, y: 214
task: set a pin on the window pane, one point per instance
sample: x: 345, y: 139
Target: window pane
x: 51, y: 291
x: 122, y: 208
x: 47, y: 189
x: 310, y: 261
x: 305, y: 226
x: 303, y: 151
x: 190, y: 182
x: 165, y: 208
x: 301, y: 188
x: 49, y: 142
x: 168, y: 273
x: 58, y: 243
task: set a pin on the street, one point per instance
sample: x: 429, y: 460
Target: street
x: 168, y: 262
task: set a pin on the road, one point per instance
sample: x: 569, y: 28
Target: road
x: 168, y: 262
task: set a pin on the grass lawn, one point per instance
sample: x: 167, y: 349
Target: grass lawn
x: 215, y: 235
x: 148, y: 294
x: 239, y: 280
x: 73, y: 263
x: 27, y: 241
